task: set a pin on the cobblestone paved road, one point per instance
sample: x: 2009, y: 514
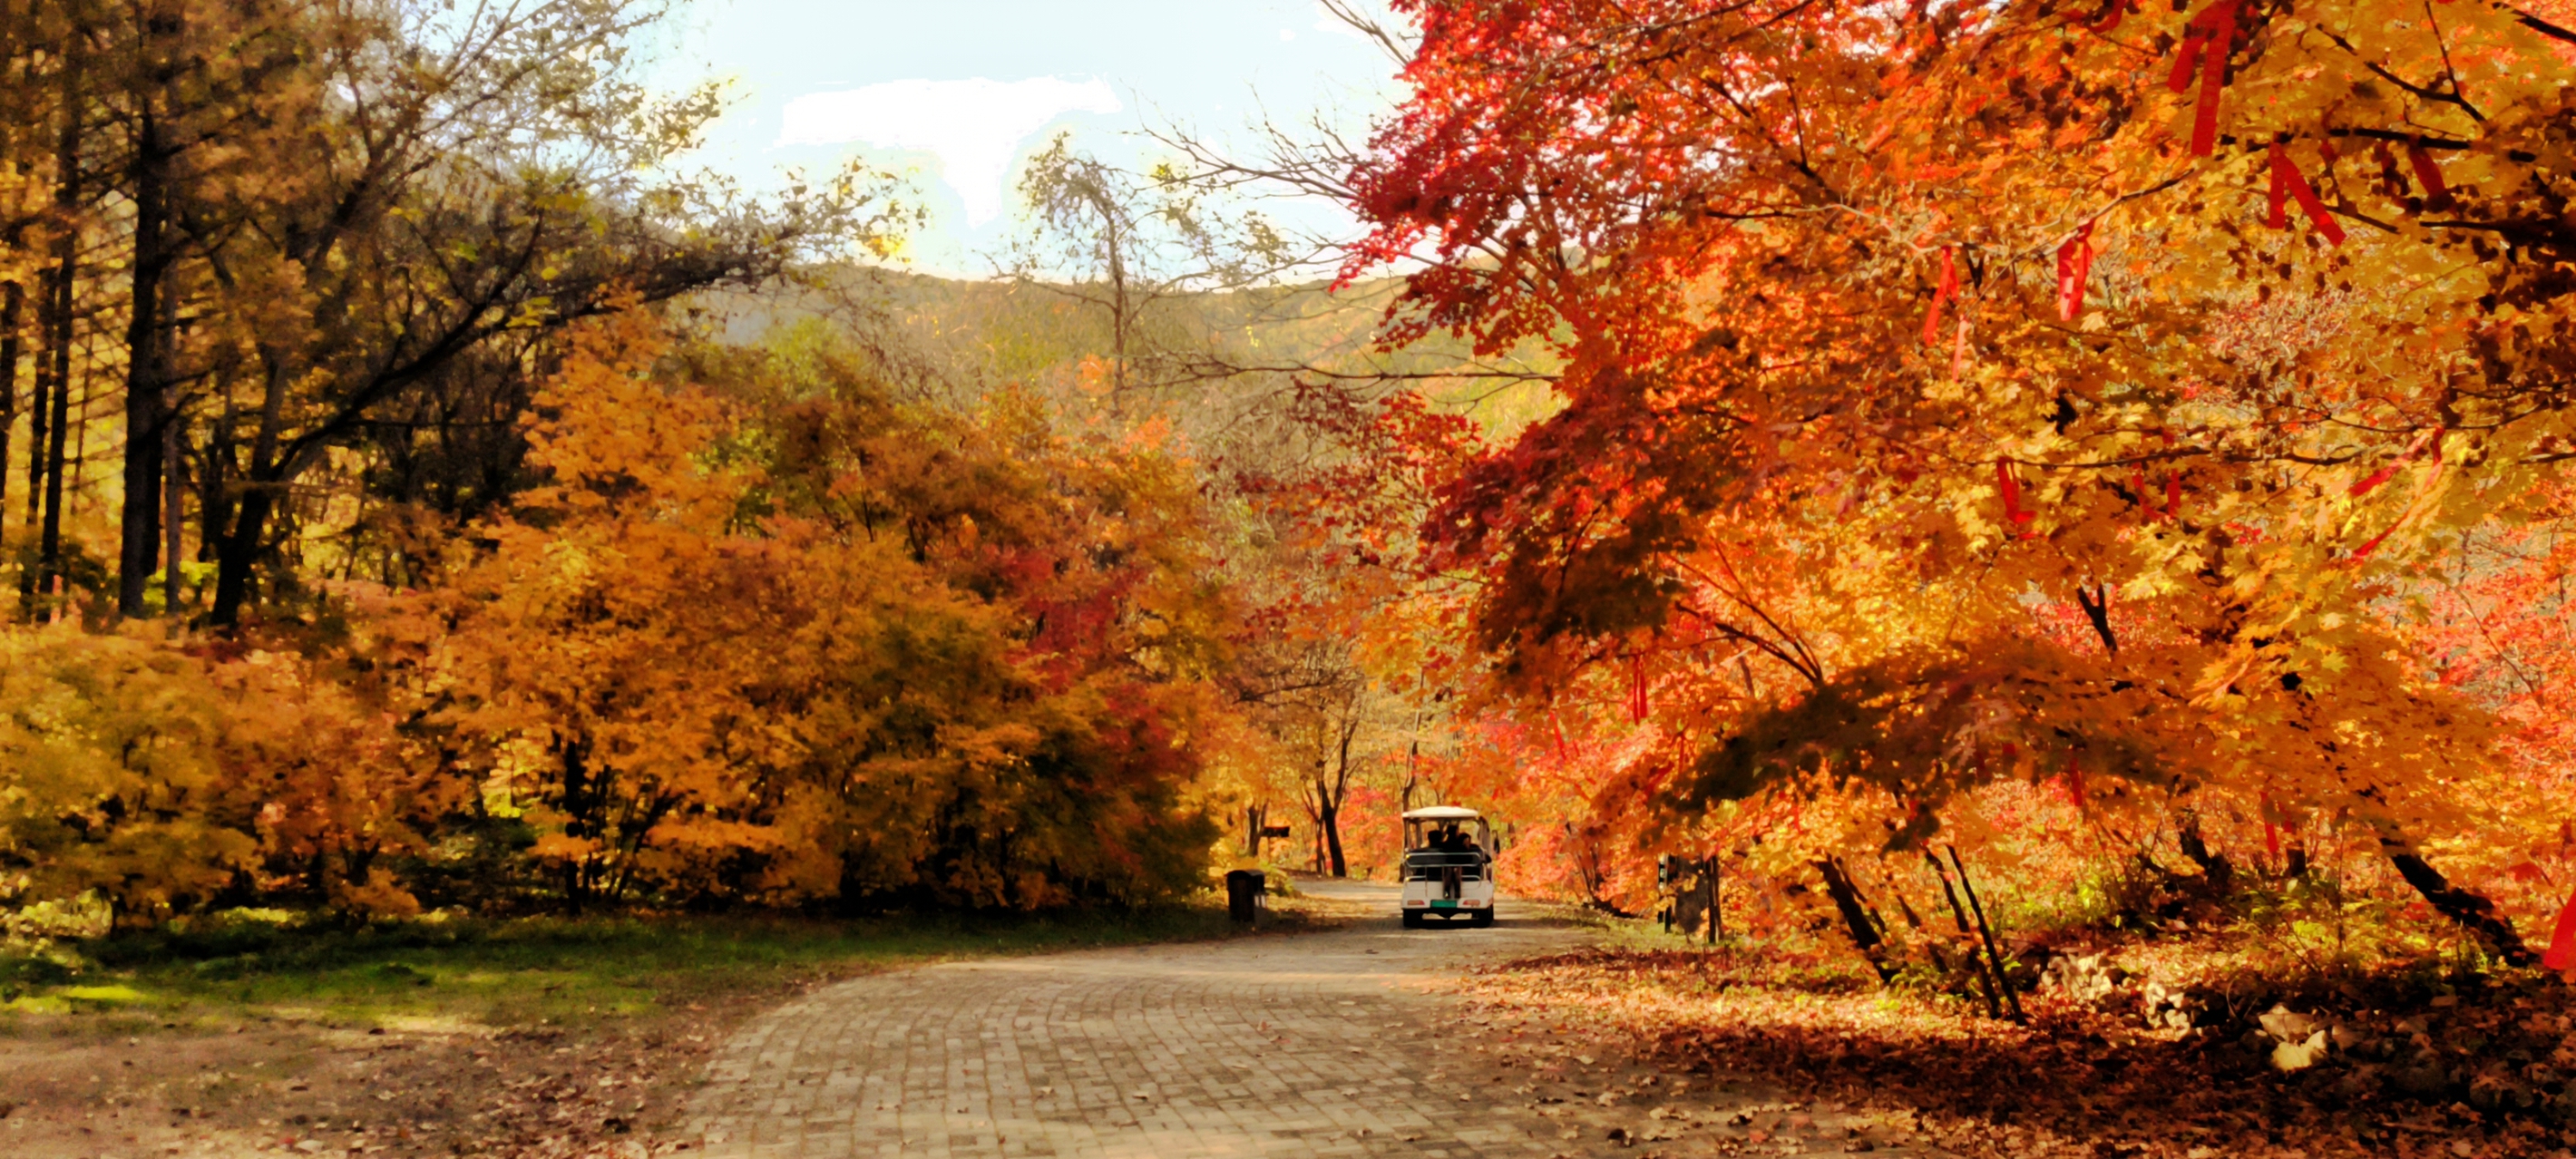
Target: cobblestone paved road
x: 1309, y: 1044
x: 1313, y: 1044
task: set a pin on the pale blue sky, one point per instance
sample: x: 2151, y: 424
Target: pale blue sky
x: 959, y: 91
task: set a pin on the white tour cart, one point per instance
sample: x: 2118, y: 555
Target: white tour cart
x: 1448, y: 866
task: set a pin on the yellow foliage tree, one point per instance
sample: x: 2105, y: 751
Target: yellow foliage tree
x: 112, y: 785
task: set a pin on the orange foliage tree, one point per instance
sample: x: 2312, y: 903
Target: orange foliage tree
x: 822, y: 647
x: 2002, y: 391
x: 762, y: 635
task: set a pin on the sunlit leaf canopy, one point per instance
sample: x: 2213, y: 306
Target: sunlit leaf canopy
x: 2008, y: 390
x: 1799, y: 433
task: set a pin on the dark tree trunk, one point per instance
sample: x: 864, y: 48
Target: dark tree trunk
x: 146, y: 375
x: 2474, y: 912
x: 1839, y: 887
x: 1332, y: 825
x: 576, y: 785
x: 1330, y: 792
x: 1412, y: 768
x: 1985, y: 980
x: 236, y: 553
x: 65, y: 279
x: 173, y: 498
x: 39, y: 412
x: 13, y: 306
x: 49, y: 548
x: 2213, y: 866
x: 214, y: 506
x: 1986, y: 933
x: 262, y: 481
x: 1716, y: 899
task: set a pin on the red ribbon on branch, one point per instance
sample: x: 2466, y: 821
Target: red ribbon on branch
x: 2429, y: 175
x: 2287, y: 180
x: 1637, y: 688
x: 2011, y: 488
x: 2384, y: 474
x: 2364, y: 551
x: 1946, y: 289
x: 2206, y: 42
x: 2074, y: 265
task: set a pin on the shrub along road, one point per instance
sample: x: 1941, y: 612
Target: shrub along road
x: 1334, y: 1043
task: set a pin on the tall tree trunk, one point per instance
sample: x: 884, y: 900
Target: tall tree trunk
x: 13, y: 306
x: 174, y: 492
x: 49, y: 544
x: 39, y: 412
x: 146, y: 372
x: 238, y: 552
x: 214, y: 506
x: 65, y: 280
x: 1412, y: 767
x: 576, y: 784
x: 1341, y: 789
x: 1119, y: 318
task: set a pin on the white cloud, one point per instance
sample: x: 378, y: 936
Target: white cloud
x: 976, y: 127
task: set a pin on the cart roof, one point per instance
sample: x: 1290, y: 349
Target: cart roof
x: 1442, y: 813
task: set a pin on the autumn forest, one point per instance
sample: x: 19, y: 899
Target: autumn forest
x: 1966, y: 487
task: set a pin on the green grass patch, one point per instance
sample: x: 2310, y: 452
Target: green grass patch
x: 527, y: 971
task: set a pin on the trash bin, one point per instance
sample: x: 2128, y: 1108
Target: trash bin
x: 1244, y: 889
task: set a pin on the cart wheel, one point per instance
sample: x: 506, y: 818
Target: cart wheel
x: 1483, y: 918
x: 1412, y: 920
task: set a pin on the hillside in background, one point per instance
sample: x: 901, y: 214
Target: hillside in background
x: 1214, y: 362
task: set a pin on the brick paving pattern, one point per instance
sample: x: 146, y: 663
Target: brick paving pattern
x: 1321, y: 1044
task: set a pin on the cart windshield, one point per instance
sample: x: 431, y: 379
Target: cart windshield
x: 1470, y: 835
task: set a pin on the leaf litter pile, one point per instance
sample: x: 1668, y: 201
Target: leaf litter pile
x: 2108, y: 1064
